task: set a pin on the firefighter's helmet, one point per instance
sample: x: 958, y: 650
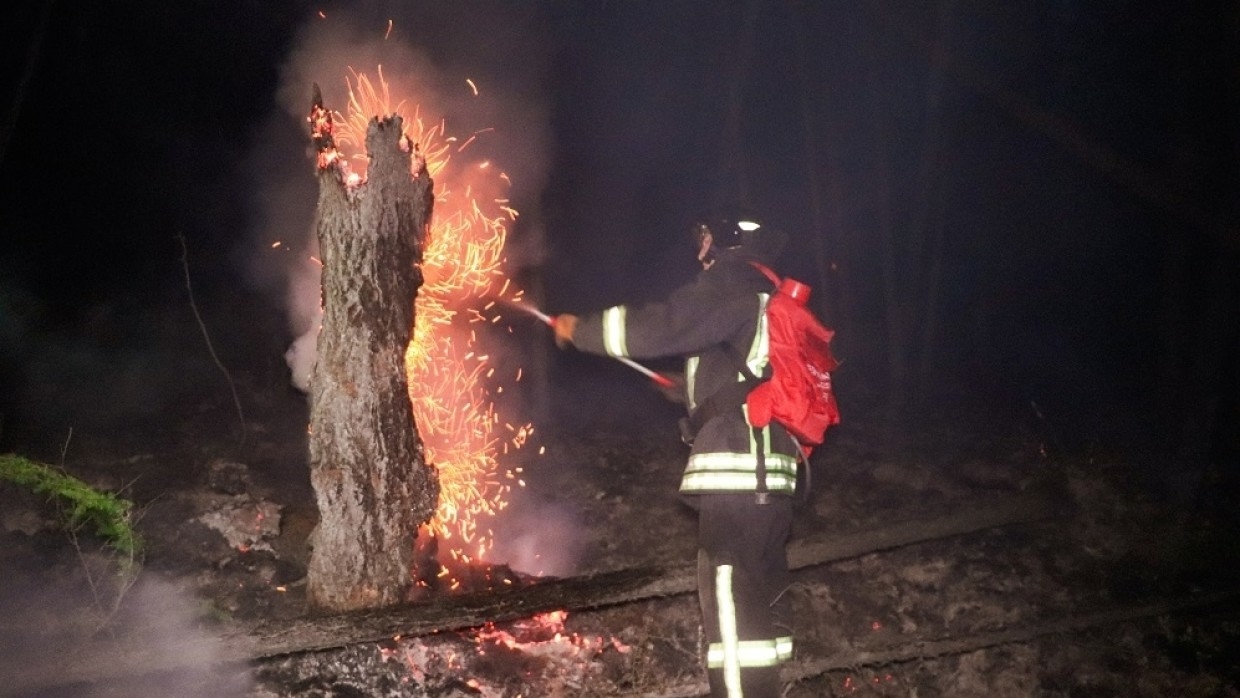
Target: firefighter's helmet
x: 726, y: 232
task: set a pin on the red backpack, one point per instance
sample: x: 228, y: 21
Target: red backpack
x: 798, y: 394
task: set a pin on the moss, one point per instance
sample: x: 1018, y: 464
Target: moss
x: 80, y: 504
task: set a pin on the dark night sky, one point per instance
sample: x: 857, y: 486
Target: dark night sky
x: 1080, y: 144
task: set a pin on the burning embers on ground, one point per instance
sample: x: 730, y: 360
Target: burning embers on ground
x: 537, y: 650
x: 537, y: 657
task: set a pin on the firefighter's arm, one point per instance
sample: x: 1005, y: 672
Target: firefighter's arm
x: 688, y: 322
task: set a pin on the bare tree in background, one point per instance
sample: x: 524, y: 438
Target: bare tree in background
x: 912, y: 242
x: 741, y: 57
x: 823, y: 178
x: 369, y: 472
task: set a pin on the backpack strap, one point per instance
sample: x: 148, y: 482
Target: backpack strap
x: 766, y: 271
x: 761, y: 494
x: 729, y: 397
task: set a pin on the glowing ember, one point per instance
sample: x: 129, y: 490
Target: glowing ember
x: 533, y: 657
x: 545, y: 634
x: 450, y: 377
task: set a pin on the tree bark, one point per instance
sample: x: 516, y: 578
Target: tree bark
x: 370, y: 477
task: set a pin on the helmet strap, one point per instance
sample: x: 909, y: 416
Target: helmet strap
x: 706, y: 250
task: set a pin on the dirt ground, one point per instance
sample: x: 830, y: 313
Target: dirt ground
x: 1123, y: 593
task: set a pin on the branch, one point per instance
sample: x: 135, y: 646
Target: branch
x: 207, y: 337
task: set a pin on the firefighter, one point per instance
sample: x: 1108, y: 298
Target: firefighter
x: 739, y: 479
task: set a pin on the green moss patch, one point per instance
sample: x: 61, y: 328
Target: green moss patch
x: 107, y: 515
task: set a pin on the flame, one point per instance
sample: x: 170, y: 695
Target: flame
x: 450, y: 375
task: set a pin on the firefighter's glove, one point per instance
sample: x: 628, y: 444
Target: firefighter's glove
x: 676, y: 391
x: 565, y: 325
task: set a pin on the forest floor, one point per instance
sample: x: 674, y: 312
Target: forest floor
x: 1123, y: 593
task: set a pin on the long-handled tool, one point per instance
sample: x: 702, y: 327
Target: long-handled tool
x: 549, y: 320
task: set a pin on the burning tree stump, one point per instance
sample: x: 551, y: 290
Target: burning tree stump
x: 370, y: 477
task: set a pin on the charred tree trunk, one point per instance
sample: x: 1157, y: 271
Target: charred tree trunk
x: 371, y: 481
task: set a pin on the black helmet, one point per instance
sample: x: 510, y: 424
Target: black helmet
x: 733, y: 231
x: 726, y: 232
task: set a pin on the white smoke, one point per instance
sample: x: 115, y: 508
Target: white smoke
x: 305, y: 315
x: 437, y: 56
x: 538, y: 539
x: 156, y: 645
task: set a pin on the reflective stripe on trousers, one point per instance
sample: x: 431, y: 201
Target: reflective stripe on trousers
x: 753, y: 653
x: 731, y: 654
x: 729, y: 642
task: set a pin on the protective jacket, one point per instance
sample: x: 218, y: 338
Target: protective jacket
x: 714, y: 321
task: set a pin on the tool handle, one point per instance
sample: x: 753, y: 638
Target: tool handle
x: 659, y: 378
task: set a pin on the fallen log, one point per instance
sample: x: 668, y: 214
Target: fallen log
x: 121, y: 657
x: 1005, y: 511
x: 923, y: 649
x: 614, y: 588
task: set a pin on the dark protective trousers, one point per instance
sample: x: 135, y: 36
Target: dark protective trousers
x: 742, y: 579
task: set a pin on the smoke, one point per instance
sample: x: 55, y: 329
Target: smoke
x: 156, y: 644
x: 304, y: 317
x: 538, y: 538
